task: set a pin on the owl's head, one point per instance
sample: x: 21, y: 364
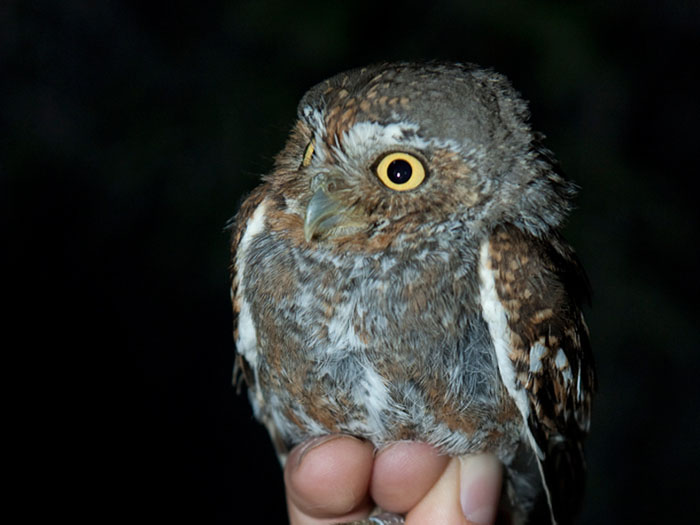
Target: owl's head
x: 398, y: 146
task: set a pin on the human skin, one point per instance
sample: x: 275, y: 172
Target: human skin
x: 340, y: 478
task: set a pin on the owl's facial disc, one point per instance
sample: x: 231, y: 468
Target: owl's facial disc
x: 326, y: 213
x: 334, y: 210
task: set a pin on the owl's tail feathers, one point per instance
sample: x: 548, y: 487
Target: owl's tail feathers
x: 564, y: 472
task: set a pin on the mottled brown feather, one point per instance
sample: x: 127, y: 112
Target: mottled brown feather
x: 541, y: 285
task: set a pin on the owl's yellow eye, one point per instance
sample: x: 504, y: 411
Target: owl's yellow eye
x: 308, y: 154
x: 400, y: 171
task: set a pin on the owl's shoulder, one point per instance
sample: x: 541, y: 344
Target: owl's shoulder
x: 240, y: 220
x: 541, y: 286
x: 238, y: 225
x: 543, y: 349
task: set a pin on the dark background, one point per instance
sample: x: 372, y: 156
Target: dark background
x: 130, y: 131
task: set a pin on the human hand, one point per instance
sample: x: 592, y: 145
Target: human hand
x: 338, y: 478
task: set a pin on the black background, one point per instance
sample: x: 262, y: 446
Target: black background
x: 130, y: 132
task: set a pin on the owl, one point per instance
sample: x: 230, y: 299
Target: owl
x: 401, y: 275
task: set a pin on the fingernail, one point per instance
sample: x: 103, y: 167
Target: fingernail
x: 480, y: 488
x: 313, y: 443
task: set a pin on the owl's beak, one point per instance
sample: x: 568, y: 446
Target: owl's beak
x: 323, y: 214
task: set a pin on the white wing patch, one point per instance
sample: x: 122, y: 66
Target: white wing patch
x: 537, y: 352
x: 562, y: 363
x: 495, y: 316
x: 247, y: 341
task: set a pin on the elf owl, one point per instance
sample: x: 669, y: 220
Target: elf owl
x: 401, y: 275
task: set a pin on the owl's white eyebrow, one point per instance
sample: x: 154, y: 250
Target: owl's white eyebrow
x: 375, y: 135
x: 404, y: 134
x: 363, y: 133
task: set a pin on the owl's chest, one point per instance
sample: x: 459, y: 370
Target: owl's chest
x: 388, y: 346
x: 348, y: 302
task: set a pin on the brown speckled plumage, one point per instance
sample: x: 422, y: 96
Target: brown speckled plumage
x: 448, y: 313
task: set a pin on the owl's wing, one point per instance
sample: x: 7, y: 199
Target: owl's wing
x: 531, y: 292
x: 239, y: 224
x: 250, y: 221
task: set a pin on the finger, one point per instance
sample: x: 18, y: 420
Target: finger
x: 327, y: 480
x: 441, y: 504
x: 467, y: 493
x: 403, y: 474
x: 480, y: 488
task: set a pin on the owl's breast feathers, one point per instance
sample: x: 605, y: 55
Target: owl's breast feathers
x: 508, y: 309
x: 389, y: 345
